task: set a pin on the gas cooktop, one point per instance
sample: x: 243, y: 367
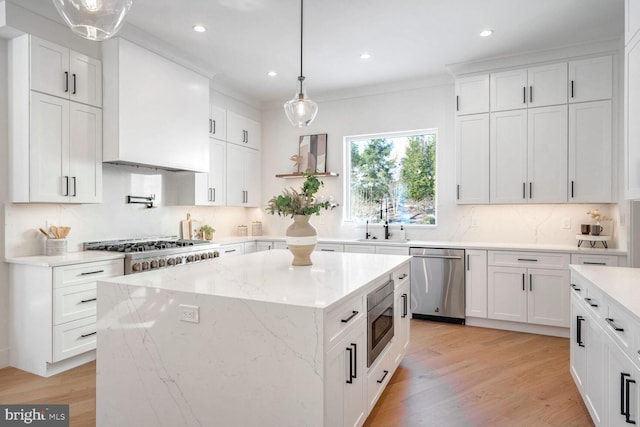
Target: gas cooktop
x: 142, y: 245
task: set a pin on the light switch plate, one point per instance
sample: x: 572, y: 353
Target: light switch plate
x: 189, y: 313
x: 566, y: 223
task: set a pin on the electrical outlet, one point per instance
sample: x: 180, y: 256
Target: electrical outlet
x: 566, y: 223
x: 189, y: 313
x: 474, y: 221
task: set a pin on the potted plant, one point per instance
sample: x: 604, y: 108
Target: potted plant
x: 206, y: 231
x: 301, y: 236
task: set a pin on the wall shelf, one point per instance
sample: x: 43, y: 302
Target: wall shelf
x: 301, y: 174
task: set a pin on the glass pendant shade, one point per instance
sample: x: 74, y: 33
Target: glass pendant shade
x: 300, y: 110
x: 93, y: 19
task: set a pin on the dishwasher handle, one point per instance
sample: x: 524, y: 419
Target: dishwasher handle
x: 438, y: 256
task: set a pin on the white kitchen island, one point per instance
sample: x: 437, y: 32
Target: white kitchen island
x: 272, y: 345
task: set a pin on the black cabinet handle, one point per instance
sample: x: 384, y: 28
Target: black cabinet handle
x: 214, y: 195
x: 88, y: 300
x: 531, y: 190
x: 228, y: 251
x: 383, y: 377
x: 350, y: 380
x: 524, y: 190
x: 530, y: 283
x: 627, y: 416
x: 615, y: 327
x: 530, y: 94
x: 87, y: 335
x: 458, y: 192
x: 327, y: 250
x: 579, y: 320
x: 74, y: 83
x: 405, y: 306
x: 457, y: 103
x: 66, y: 185
x: 623, y: 410
x: 355, y: 360
x: 528, y: 259
x: 66, y: 81
x: 572, y: 189
x: 403, y: 276
x: 523, y: 288
x: 468, y: 262
x: 75, y: 186
x: 86, y: 273
x: 590, y: 302
x: 575, y: 287
x: 210, y: 126
x: 524, y: 95
x: 572, y: 88
x: 353, y: 314
x: 594, y: 263
x: 213, y: 130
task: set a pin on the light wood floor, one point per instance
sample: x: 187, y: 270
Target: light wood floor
x: 452, y: 376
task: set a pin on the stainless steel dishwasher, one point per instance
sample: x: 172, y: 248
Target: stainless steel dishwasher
x: 437, y: 284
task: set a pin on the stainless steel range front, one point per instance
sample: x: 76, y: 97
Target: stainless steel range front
x: 154, y: 253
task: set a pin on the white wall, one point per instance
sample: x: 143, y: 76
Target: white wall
x: 425, y: 107
x: 4, y: 193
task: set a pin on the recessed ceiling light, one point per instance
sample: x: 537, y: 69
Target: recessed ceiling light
x: 486, y: 33
x: 365, y: 55
x: 199, y: 28
x: 272, y: 74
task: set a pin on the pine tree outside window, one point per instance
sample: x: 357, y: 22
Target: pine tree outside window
x: 391, y: 177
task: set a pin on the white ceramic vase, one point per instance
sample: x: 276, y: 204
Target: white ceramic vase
x: 301, y: 238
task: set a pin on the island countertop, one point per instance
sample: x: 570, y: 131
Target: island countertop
x: 269, y: 277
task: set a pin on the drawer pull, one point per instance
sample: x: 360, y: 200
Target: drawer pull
x: 354, y: 313
x: 590, y: 302
x: 327, y: 250
x: 87, y: 335
x: 615, y: 327
x: 228, y: 251
x: 383, y: 377
x: 403, y: 276
x: 575, y: 287
x: 86, y: 273
x: 594, y: 263
x: 88, y: 300
x: 528, y: 259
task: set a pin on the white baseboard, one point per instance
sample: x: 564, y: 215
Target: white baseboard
x: 4, y: 357
x: 518, y: 327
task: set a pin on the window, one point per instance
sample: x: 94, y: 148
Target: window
x: 391, y: 177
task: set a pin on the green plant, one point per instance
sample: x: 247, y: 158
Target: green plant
x: 291, y: 202
x: 207, y: 229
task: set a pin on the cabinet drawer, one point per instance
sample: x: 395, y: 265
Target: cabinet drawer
x: 342, y: 317
x: 379, y: 375
x: 579, y: 286
x: 621, y: 327
x: 74, y: 302
x: 73, y: 338
x: 88, y: 272
x: 596, y: 302
x: 360, y: 249
x: 329, y: 247
x: 401, y: 275
x: 610, y: 260
x: 233, y: 249
x: 529, y: 259
x: 392, y: 250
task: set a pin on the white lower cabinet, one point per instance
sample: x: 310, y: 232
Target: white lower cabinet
x: 250, y: 247
x: 622, y: 387
x: 524, y: 294
x: 264, y: 246
x: 476, y: 283
x: 329, y: 247
x: 345, y: 379
x: 53, y: 318
x: 402, y: 317
x: 231, y: 249
x: 360, y: 249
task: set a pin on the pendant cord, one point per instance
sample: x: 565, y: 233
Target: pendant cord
x: 301, y: 16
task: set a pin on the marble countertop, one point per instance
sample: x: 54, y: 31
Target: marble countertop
x: 67, y: 259
x: 621, y: 283
x: 444, y: 244
x: 269, y: 276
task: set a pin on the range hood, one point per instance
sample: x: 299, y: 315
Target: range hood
x: 155, y: 112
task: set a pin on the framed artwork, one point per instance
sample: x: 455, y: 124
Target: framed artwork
x: 313, y: 153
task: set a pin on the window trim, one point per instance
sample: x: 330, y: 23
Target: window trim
x: 346, y: 172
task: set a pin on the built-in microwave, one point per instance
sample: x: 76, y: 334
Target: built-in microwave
x: 379, y: 320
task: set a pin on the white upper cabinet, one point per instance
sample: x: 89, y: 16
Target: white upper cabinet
x: 508, y: 142
x: 631, y: 122
x: 218, y: 123
x: 509, y: 90
x: 472, y: 155
x: 591, y: 79
x: 472, y: 94
x: 632, y: 19
x: 155, y: 111
x: 59, y: 71
x: 547, y: 154
x: 243, y: 176
x: 243, y: 131
x: 590, y: 152
x: 547, y: 85
x: 533, y: 87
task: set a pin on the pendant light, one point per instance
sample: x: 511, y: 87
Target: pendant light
x: 93, y: 19
x: 301, y: 110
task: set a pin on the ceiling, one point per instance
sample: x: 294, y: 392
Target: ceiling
x: 407, y: 39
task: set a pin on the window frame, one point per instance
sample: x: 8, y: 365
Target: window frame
x: 346, y: 170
